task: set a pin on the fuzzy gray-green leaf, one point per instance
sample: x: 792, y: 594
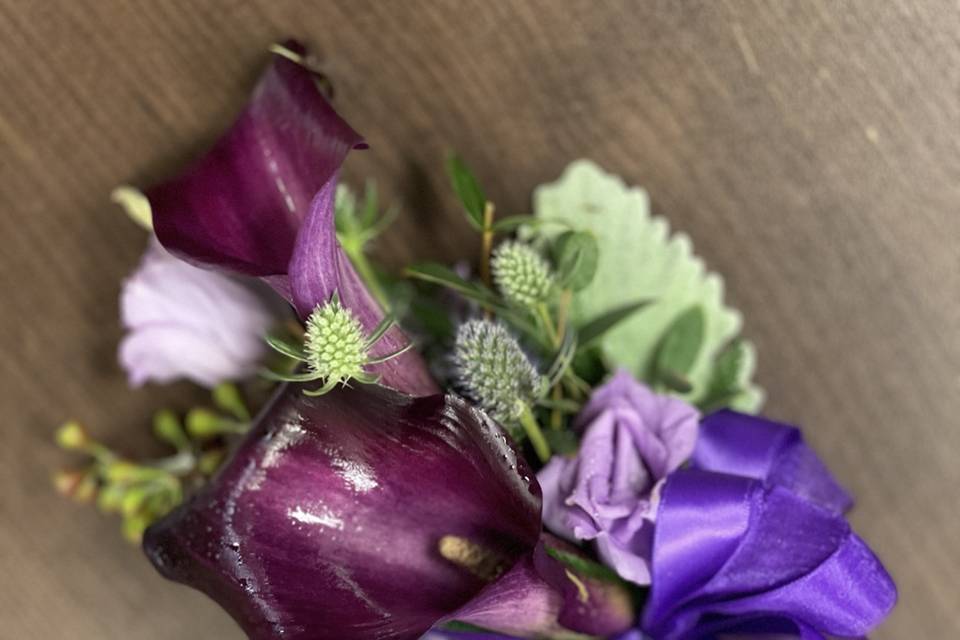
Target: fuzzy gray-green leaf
x: 639, y: 259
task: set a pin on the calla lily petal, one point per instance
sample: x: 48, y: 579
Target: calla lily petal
x: 543, y: 598
x: 239, y: 207
x: 328, y: 520
x: 261, y: 202
x: 755, y: 447
x: 319, y: 267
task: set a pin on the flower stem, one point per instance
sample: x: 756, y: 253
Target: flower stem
x: 368, y: 274
x: 486, y: 243
x: 548, y: 324
x: 179, y: 464
x: 529, y: 423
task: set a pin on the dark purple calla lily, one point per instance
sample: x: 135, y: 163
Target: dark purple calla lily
x: 329, y: 520
x: 542, y: 597
x: 260, y: 203
x: 241, y: 205
x: 369, y: 514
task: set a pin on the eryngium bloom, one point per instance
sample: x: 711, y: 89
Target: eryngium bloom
x: 330, y: 519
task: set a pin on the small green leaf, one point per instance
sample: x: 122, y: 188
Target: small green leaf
x: 468, y: 190
x: 288, y: 349
x: 564, y: 404
x: 167, y: 427
x: 584, y: 566
x: 133, y: 527
x: 729, y: 383
x: 679, y: 349
x: 439, y: 274
x: 562, y: 442
x: 562, y: 361
x: 445, y: 277
x: 598, y: 327
x: 277, y: 376
x: 371, y: 205
x: 576, y: 254
x: 512, y: 223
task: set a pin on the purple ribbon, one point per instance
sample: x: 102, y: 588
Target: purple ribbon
x: 752, y: 540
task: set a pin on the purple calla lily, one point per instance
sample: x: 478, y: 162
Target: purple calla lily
x: 369, y: 514
x: 260, y: 203
x: 329, y: 520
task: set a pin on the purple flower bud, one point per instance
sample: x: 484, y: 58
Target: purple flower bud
x: 186, y: 322
x: 363, y: 513
x: 632, y: 438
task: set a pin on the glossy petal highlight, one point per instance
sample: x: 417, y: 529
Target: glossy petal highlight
x: 327, y: 521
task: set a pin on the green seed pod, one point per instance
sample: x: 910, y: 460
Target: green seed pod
x: 522, y: 275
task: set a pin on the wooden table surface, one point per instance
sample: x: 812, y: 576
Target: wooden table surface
x: 811, y: 149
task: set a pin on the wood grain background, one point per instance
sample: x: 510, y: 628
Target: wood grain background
x: 811, y: 149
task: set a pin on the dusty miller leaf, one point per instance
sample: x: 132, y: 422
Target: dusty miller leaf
x: 640, y: 260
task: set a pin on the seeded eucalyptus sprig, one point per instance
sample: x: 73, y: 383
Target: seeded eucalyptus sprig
x: 335, y: 349
x: 142, y: 492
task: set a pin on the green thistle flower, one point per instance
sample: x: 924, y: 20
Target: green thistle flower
x: 522, y: 275
x: 335, y: 349
x: 493, y: 370
x: 334, y: 343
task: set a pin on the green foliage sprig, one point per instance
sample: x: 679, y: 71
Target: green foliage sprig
x: 142, y: 492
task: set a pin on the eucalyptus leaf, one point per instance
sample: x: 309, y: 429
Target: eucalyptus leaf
x: 594, y: 330
x: 467, y: 189
x: 731, y: 374
x: 512, y: 223
x: 639, y: 259
x: 444, y: 276
x: 679, y: 349
x: 576, y: 254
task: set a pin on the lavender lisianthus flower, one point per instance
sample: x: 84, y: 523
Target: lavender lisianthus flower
x: 187, y: 322
x: 632, y: 438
